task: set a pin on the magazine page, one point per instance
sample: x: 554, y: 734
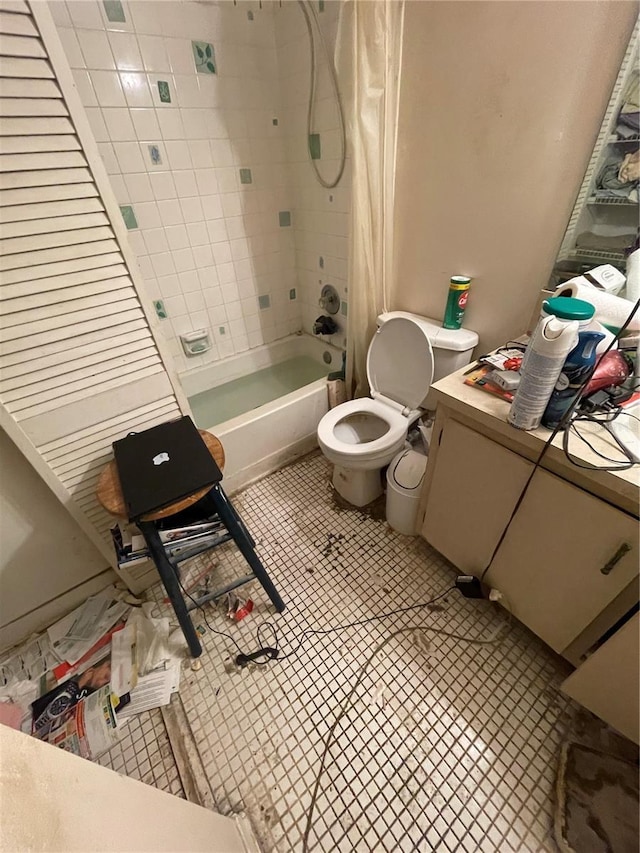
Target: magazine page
x: 57, y: 702
x: 87, y: 729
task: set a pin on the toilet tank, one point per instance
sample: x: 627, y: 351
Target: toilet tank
x: 452, y: 348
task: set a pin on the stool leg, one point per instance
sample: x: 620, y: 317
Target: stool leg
x: 169, y: 578
x: 243, y: 540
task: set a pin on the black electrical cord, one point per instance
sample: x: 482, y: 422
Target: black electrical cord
x: 618, y: 464
x: 564, y: 421
x: 273, y: 652
x: 322, y: 631
x: 204, y: 616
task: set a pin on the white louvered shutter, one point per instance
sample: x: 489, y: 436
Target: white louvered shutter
x: 79, y: 363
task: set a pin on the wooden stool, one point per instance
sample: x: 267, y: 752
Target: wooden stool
x: 211, y: 503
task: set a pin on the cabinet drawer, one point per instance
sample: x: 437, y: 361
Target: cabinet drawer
x: 550, y: 565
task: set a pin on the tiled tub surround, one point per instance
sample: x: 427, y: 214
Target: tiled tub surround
x: 320, y: 216
x: 197, y: 155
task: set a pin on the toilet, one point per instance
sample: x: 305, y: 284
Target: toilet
x: 360, y: 437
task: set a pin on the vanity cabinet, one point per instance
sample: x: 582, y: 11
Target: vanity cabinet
x: 568, y: 566
x: 554, y: 566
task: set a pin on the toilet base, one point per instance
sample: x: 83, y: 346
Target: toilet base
x: 358, y: 488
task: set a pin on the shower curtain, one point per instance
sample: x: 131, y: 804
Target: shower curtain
x: 371, y: 41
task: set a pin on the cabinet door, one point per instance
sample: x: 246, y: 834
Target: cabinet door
x: 473, y: 489
x: 607, y: 683
x: 552, y: 566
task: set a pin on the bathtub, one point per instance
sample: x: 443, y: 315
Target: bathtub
x: 261, y: 439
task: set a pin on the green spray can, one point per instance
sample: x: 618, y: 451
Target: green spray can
x: 456, y: 301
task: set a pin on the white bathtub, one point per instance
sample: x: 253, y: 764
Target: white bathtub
x: 265, y: 438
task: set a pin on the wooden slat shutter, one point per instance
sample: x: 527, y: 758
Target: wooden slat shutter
x: 80, y: 365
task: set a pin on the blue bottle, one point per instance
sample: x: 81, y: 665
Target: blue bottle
x: 575, y: 370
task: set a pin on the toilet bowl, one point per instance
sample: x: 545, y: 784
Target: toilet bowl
x: 362, y: 436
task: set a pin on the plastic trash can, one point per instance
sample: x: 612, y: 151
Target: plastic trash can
x: 404, y: 484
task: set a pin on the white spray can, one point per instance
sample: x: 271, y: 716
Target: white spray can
x: 548, y: 348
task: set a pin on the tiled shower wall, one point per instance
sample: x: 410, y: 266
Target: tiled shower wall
x: 193, y: 141
x: 320, y: 216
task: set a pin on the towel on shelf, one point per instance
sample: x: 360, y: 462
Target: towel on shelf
x: 606, y: 242
x: 618, y: 177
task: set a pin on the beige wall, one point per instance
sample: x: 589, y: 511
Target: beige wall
x: 501, y: 103
x: 45, y: 558
x: 53, y: 800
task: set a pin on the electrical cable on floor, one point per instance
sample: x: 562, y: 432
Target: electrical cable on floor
x: 273, y: 652
x: 347, y: 704
x: 564, y: 422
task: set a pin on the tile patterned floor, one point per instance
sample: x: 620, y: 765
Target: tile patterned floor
x: 144, y: 753
x: 447, y: 746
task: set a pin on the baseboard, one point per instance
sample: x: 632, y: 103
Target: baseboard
x: 267, y: 465
x: 247, y: 835
x: 46, y: 614
x: 187, y: 756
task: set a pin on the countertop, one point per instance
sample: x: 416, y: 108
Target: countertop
x: 620, y: 488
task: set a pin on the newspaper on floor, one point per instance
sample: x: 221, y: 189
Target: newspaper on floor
x: 28, y: 663
x: 94, y: 676
x: 124, y: 668
x: 76, y: 634
x: 153, y: 690
x: 87, y: 729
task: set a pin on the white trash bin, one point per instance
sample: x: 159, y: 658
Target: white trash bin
x: 404, y: 484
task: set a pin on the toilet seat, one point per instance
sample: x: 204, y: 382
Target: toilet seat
x: 396, y: 422
x: 400, y: 361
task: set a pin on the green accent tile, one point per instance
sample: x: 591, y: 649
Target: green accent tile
x: 129, y: 216
x: 154, y: 155
x: 114, y: 11
x: 245, y: 176
x: 250, y: 15
x: 274, y: 122
x: 292, y: 293
x: 264, y: 302
x: 321, y: 262
x: 314, y: 146
x: 320, y: 5
x: 343, y: 309
x: 284, y: 217
x: 161, y: 311
x: 164, y: 91
x: 222, y: 330
x: 204, y: 57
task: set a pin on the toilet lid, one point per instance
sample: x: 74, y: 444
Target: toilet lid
x: 400, y: 362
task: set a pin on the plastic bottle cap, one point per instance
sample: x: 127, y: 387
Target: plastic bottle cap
x: 569, y: 308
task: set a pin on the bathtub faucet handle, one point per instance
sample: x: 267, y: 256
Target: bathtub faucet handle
x: 325, y: 326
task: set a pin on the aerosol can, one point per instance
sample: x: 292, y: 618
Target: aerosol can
x: 552, y: 341
x: 575, y: 370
